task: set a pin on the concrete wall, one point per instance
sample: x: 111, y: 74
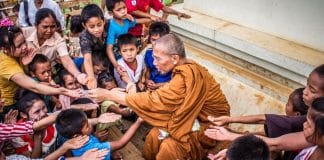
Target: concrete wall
x: 300, y: 21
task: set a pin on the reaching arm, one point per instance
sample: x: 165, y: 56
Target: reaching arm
x: 225, y: 120
x: 139, y: 13
x: 115, y: 145
x: 71, y: 67
x: 45, y: 122
x: 88, y: 67
x: 174, y: 12
x: 143, y: 21
x: 117, y: 95
x: 111, y: 56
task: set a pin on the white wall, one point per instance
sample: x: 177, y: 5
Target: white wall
x: 301, y: 21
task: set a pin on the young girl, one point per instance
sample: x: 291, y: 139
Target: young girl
x: 92, y: 39
x: 73, y: 39
x: 314, y: 132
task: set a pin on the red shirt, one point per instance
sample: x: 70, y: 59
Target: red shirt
x: 9, y: 131
x: 144, y: 6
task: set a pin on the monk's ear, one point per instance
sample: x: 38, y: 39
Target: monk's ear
x: 175, y: 58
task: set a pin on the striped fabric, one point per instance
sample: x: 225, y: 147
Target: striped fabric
x: 8, y: 131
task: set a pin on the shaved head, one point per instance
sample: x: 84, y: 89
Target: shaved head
x: 171, y: 44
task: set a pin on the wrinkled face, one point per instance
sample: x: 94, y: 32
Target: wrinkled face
x: 95, y: 26
x: 38, y: 1
x: 163, y: 62
x: 46, y: 28
x: 20, y: 46
x: 313, y: 89
x: 110, y: 85
x: 97, y: 69
x: 71, y: 83
x: 128, y: 52
x: 153, y: 38
x: 290, y: 109
x: 43, y: 72
x: 38, y: 111
x: 119, y: 10
x: 87, y: 129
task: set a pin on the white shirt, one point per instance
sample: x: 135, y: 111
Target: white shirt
x: 32, y: 12
x: 133, y: 76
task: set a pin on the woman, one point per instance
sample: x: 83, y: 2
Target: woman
x: 44, y: 38
x: 13, y: 54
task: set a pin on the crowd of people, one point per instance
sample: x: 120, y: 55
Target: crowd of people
x: 60, y: 90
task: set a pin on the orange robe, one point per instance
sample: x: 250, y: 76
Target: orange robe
x: 191, y: 94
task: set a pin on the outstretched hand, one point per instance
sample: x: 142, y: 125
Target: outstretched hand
x: 108, y: 117
x: 76, y: 142
x: 219, y: 121
x: 71, y: 93
x: 95, y: 154
x: 221, y: 155
x: 29, y: 56
x: 11, y: 117
x: 219, y: 133
x: 183, y: 15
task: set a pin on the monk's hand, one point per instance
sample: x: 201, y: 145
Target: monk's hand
x: 108, y: 117
x: 75, y: 142
x: 94, y: 154
x: 71, y: 93
x: 98, y: 94
x: 219, y: 121
x: 219, y: 133
x: 221, y: 155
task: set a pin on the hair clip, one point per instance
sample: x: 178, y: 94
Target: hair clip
x: 6, y: 22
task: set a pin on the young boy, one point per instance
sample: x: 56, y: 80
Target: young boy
x: 74, y: 122
x: 132, y: 63
x: 40, y: 69
x: 118, y: 25
x: 153, y: 78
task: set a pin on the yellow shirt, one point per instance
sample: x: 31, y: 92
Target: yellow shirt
x: 8, y: 67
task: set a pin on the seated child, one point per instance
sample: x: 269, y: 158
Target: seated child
x: 73, y: 40
x: 118, y: 25
x: 153, y: 79
x: 32, y: 108
x: 40, y: 69
x: 248, y: 147
x: 107, y: 81
x: 73, y: 122
x: 132, y: 63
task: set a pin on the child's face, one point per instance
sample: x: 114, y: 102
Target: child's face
x: 71, y: 83
x: 313, y: 89
x: 128, y: 52
x: 97, y: 69
x: 153, y: 38
x: 87, y: 129
x: 119, y: 10
x: 110, y: 85
x: 309, y: 127
x: 290, y: 109
x: 95, y: 26
x: 20, y: 46
x: 43, y: 72
x: 38, y: 111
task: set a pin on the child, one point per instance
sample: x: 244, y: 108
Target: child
x: 40, y: 69
x: 247, y: 147
x: 118, y: 25
x: 68, y: 81
x: 73, y: 36
x: 314, y: 132
x: 33, y: 108
x: 74, y: 122
x: 92, y: 39
x: 152, y: 78
x: 132, y: 63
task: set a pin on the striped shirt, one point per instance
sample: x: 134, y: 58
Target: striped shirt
x: 8, y: 131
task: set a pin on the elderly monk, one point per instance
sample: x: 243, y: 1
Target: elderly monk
x: 177, y: 111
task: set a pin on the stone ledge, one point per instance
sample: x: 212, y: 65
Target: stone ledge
x: 285, y: 58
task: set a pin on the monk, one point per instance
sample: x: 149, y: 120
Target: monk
x: 178, y: 110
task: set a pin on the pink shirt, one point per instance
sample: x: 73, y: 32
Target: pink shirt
x: 144, y: 6
x: 306, y: 153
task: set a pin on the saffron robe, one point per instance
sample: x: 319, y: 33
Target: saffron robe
x: 191, y: 94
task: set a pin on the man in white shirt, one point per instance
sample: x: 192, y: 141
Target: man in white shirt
x: 33, y: 6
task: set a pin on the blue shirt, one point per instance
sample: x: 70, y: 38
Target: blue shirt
x: 115, y: 29
x: 78, y: 62
x: 92, y: 143
x: 155, y: 75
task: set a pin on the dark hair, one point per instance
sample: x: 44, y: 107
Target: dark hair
x: 248, y: 147
x: 39, y: 58
x: 7, y: 37
x: 159, y: 28
x: 70, y: 122
x: 76, y: 24
x: 26, y: 99
x: 62, y: 73
x: 125, y: 39
x: 82, y: 101
x: 16, y: 8
x: 89, y: 11
x: 44, y: 13
x: 110, y: 4
x: 320, y: 72
x: 298, y: 103
x: 100, y: 59
x: 103, y: 77
x: 317, y: 115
